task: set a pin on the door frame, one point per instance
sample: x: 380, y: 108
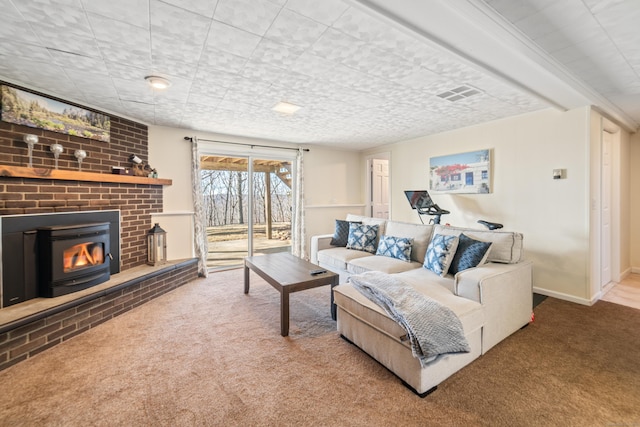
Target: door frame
x: 596, y: 290
x: 369, y: 184
x: 608, y: 140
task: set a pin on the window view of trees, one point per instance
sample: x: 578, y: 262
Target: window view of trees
x: 226, y: 198
x: 226, y: 203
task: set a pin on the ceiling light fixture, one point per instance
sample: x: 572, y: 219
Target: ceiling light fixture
x: 158, y: 82
x: 286, y: 108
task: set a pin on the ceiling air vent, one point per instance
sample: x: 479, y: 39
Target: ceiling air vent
x: 459, y: 93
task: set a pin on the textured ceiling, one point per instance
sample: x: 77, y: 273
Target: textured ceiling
x: 598, y: 41
x: 362, y: 75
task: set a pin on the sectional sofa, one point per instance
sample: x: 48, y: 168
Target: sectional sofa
x: 490, y: 291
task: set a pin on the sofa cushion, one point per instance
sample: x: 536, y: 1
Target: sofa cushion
x: 420, y: 233
x: 470, y: 253
x: 380, y: 222
x: 395, y: 247
x: 440, y: 253
x: 362, y: 237
x: 420, y: 275
x: 338, y: 258
x: 348, y: 298
x: 381, y: 263
x: 341, y: 233
x: 506, y: 247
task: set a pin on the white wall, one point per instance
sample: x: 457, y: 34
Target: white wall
x: 170, y: 155
x: 333, y: 185
x: 634, y: 203
x: 552, y: 214
x: 333, y: 188
x: 555, y: 216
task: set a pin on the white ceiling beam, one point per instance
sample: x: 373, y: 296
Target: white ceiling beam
x: 476, y: 33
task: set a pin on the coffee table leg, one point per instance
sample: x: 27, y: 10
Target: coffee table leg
x: 284, y: 313
x: 334, y: 308
x: 246, y: 279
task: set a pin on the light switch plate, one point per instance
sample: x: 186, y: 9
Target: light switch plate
x: 559, y: 173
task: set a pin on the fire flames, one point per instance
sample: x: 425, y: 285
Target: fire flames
x: 83, y: 255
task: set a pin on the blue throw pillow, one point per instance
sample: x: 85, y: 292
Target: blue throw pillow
x: 470, y: 253
x: 440, y: 253
x: 341, y: 233
x: 395, y: 247
x: 362, y: 237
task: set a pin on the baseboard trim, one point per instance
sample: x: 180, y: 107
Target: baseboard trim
x: 566, y: 297
x: 626, y: 273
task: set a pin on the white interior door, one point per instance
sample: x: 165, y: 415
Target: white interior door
x: 380, y: 188
x: 605, y: 244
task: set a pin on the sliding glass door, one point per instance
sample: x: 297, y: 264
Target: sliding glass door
x: 247, y: 204
x: 272, y: 209
x: 224, y: 189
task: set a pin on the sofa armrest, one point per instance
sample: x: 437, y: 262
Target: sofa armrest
x: 506, y: 294
x: 318, y: 243
x: 469, y: 283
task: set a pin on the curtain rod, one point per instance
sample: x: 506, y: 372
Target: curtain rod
x: 189, y: 138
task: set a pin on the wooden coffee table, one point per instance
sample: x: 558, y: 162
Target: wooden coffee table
x: 288, y: 273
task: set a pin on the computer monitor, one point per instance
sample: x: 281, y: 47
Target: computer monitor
x: 419, y: 199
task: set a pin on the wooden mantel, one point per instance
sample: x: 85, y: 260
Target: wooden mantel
x: 68, y: 175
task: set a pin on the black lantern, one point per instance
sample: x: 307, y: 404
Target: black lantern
x: 157, y: 246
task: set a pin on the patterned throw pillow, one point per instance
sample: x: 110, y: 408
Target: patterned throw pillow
x: 395, y: 247
x: 470, y: 253
x: 362, y: 237
x: 341, y: 233
x: 440, y: 253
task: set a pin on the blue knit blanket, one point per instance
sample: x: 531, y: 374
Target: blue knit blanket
x: 433, y: 329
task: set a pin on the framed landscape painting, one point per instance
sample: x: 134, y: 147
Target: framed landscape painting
x: 28, y: 109
x: 461, y: 173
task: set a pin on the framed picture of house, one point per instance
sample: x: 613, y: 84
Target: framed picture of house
x: 461, y: 173
x: 36, y: 111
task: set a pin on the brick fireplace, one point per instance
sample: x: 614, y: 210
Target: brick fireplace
x: 135, y: 201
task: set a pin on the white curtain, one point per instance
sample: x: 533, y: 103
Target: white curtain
x: 200, y: 230
x: 299, y: 238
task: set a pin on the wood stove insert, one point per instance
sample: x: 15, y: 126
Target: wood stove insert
x: 21, y: 265
x: 73, y: 257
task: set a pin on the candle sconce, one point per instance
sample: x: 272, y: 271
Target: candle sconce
x: 30, y: 140
x: 56, y: 149
x: 80, y: 155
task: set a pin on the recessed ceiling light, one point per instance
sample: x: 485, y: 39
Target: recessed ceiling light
x: 158, y: 82
x: 286, y: 108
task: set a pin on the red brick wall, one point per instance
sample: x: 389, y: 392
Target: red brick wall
x: 136, y: 203
x: 127, y: 138
x: 31, y: 196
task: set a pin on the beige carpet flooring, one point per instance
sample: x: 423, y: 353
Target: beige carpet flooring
x: 206, y: 354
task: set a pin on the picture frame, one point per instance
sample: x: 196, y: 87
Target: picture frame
x: 462, y: 173
x: 37, y: 111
